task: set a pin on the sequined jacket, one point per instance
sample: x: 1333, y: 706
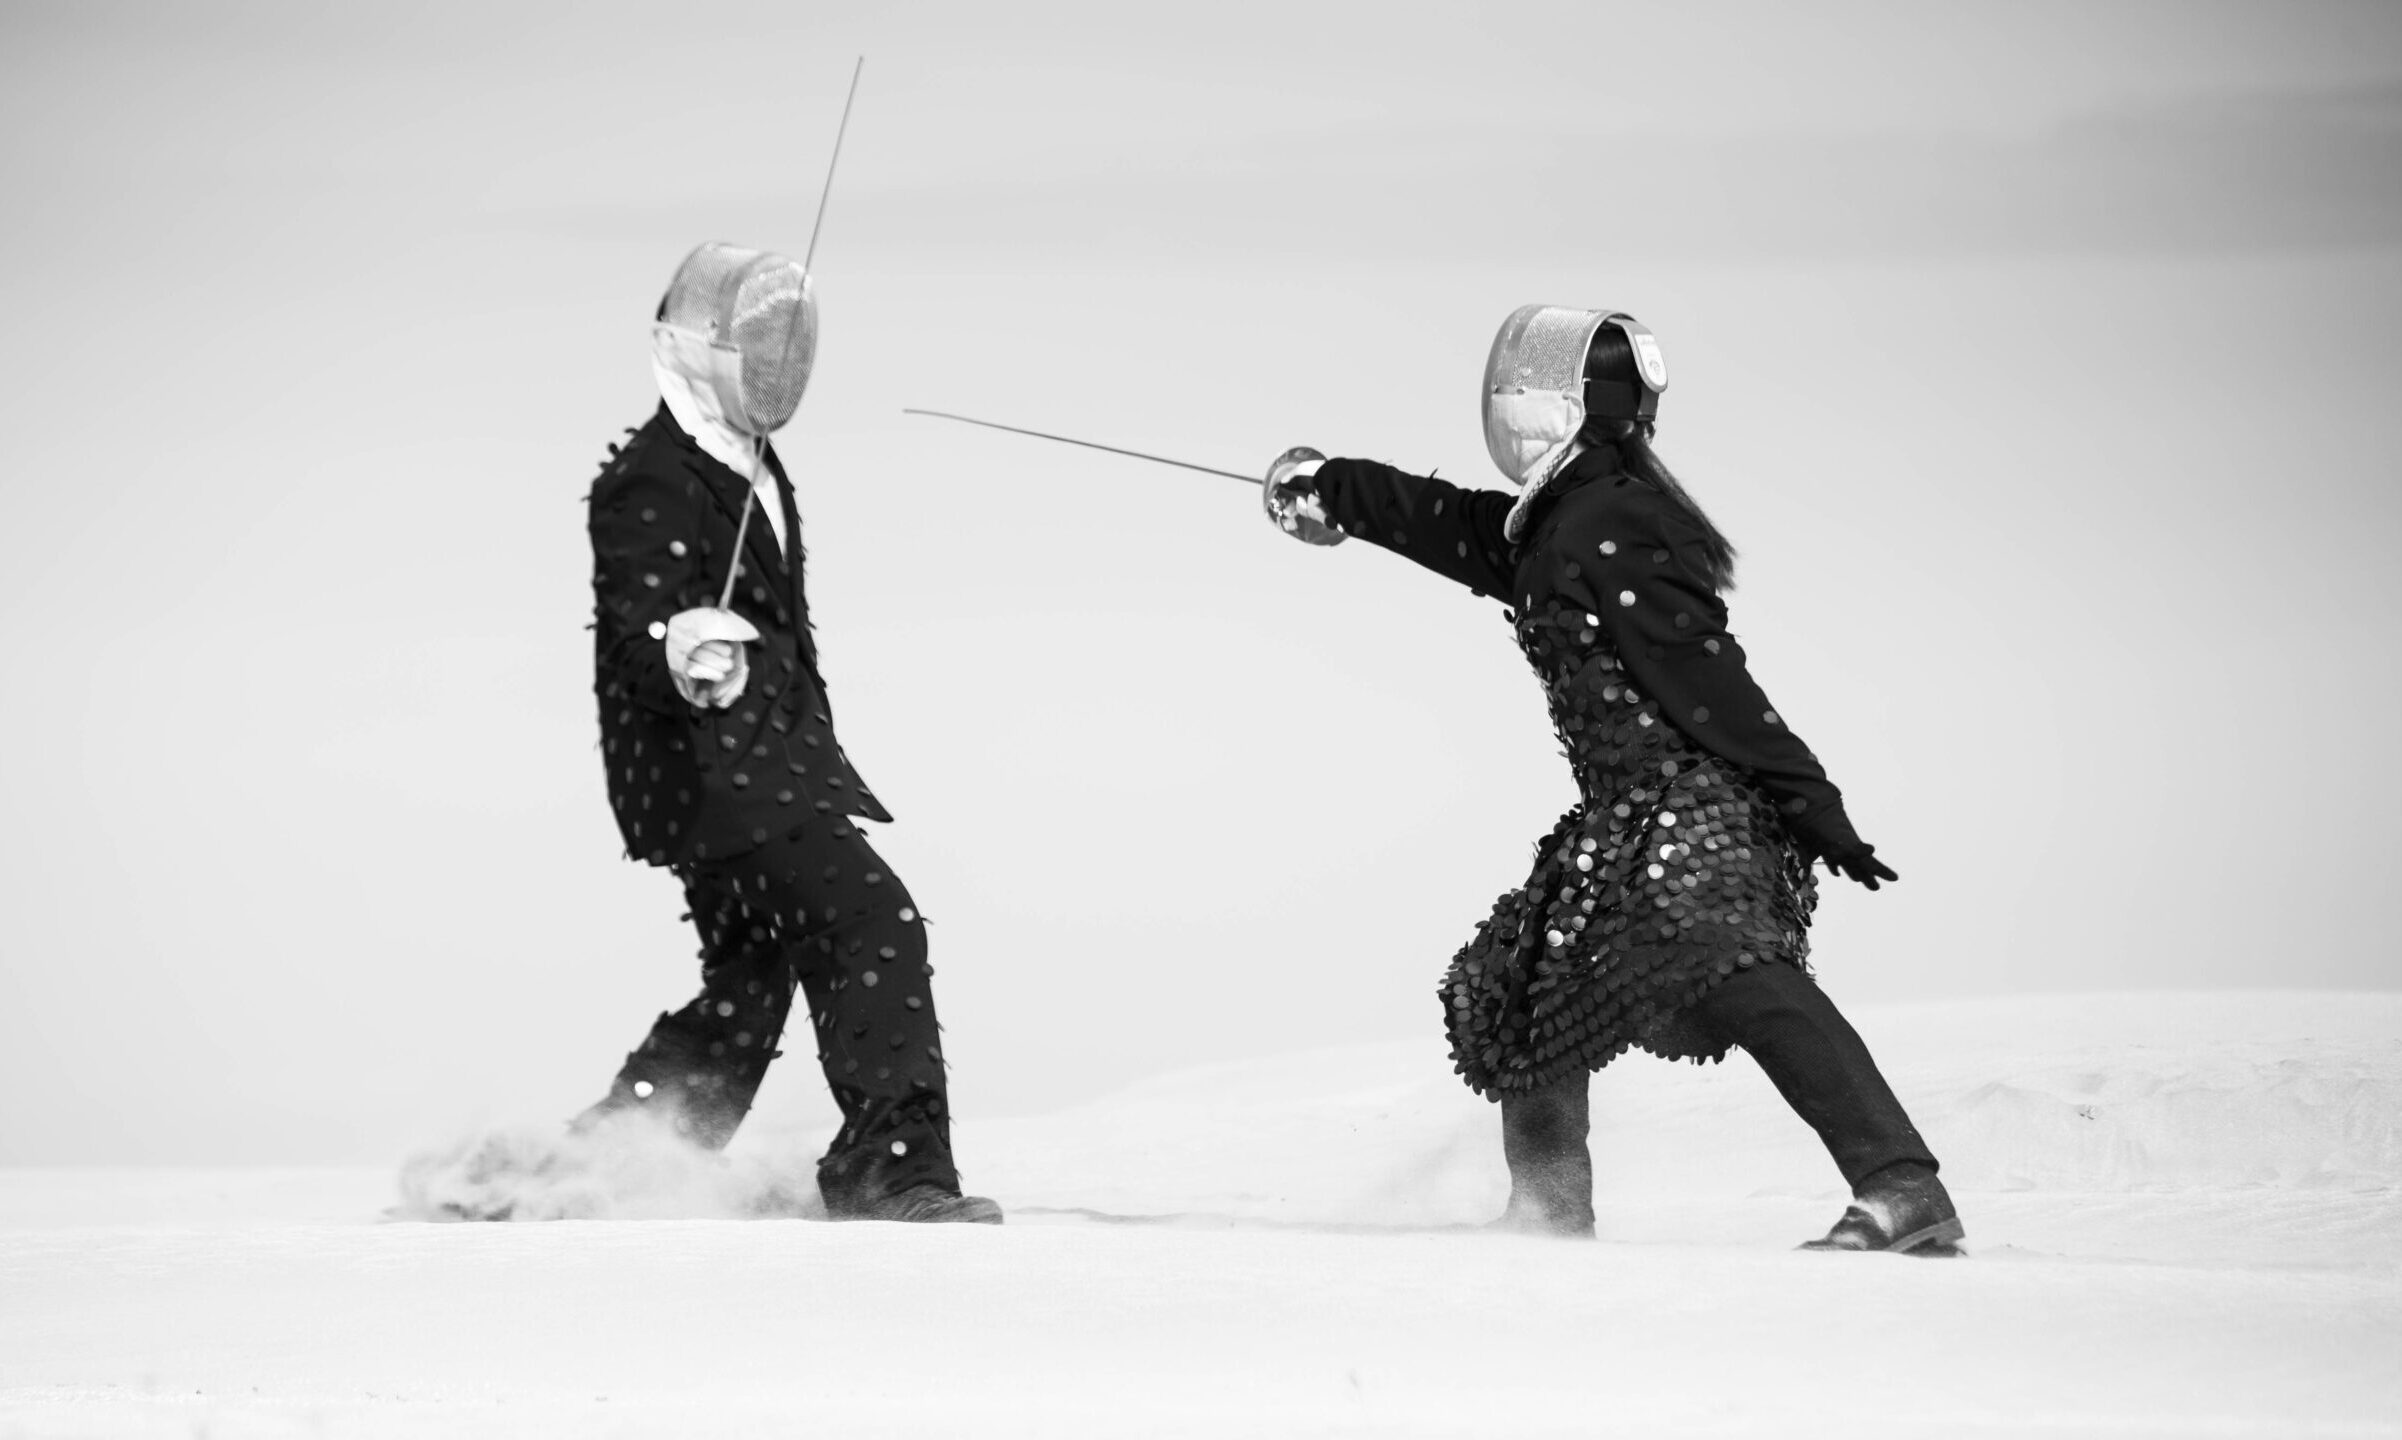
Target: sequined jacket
x: 690, y: 783
x: 1614, y: 548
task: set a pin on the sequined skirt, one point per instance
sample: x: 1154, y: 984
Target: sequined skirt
x: 1634, y: 910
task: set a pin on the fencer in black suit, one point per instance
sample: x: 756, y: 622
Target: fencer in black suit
x: 748, y: 798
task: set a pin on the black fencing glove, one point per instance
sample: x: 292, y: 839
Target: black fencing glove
x: 1861, y: 865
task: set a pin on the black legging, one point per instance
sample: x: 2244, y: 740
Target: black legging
x: 818, y: 910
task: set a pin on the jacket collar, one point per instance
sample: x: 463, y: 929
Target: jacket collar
x: 731, y: 492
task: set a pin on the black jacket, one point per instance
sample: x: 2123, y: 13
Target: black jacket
x: 1616, y: 548
x: 689, y: 783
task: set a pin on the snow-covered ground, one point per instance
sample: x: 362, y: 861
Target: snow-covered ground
x: 2185, y: 1211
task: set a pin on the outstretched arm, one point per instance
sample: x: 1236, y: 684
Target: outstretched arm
x: 1454, y: 532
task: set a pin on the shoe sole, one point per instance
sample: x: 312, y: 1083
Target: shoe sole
x: 1939, y: 1241
x: 965, y: 1218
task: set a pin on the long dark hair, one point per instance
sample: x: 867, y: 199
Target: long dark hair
x: 1611, y: 361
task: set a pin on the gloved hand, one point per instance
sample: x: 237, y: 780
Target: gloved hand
x: 706, y: 658
x: 1861, y: 865
x: 1289, y: 493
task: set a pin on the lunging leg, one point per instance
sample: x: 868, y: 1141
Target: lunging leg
x: 1823, y: 1069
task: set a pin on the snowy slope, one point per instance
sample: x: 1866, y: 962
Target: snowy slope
x: 2186, y: 1212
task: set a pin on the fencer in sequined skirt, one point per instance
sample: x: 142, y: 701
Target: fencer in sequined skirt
x: 1674, y: 872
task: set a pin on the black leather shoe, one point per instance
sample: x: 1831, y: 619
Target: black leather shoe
x: 1901, y: 1210
x: 922, y: 1205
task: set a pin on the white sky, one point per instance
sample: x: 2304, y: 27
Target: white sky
x: 2041, y: 358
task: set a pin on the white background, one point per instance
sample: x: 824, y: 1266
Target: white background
x: 2042, y: 360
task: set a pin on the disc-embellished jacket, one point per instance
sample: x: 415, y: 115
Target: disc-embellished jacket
x: 692, y: 783
x: 1616, y: 550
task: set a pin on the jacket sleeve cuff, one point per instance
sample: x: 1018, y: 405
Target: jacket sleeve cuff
x: 1823, y: 830
x: 1328, y: 485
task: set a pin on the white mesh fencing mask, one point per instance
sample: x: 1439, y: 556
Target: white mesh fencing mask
x: 1535, y: 391
x: 1534, y: 394
x: 744, y: 323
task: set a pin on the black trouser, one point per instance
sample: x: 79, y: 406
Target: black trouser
x: 1818, y: 1062
x: 1810, y: 1053
x: 820, y: 911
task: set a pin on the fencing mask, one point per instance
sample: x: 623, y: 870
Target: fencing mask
x: 1536, y: 396
x: 741, y: 327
